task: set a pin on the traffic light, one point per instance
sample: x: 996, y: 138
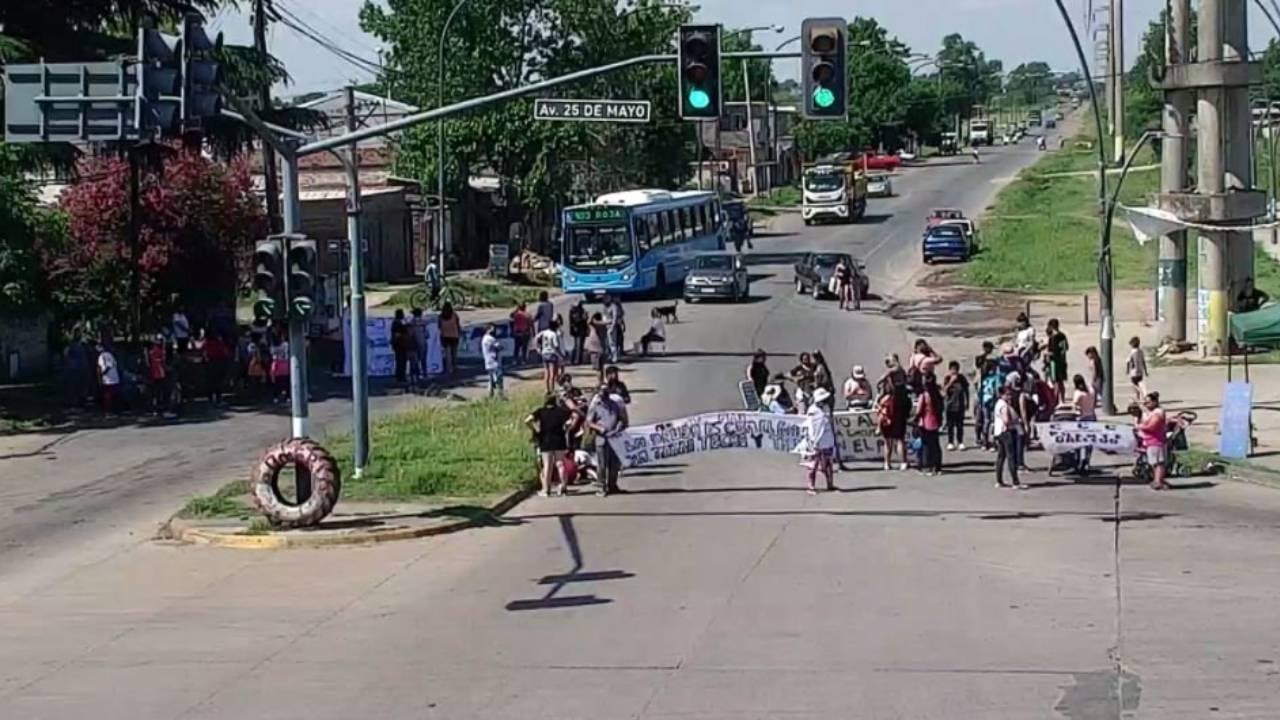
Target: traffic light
x: 302, y: 276
x: 158, y: 107
x: 268, y: 278
x: 200, y: 73
x: 699, y: 81
x: 824, y: 64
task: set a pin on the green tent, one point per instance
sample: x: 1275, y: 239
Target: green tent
x: 1259, y: 328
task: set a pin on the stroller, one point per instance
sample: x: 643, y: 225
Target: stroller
x: 1175, y: 442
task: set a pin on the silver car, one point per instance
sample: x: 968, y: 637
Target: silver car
x: 879, y: 186
x: 717, y: 275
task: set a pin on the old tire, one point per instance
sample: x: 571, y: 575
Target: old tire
x: 326, y: 483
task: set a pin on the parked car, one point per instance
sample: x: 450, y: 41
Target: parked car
x: 879, y: 185
x: 876, y: 161
x: 970, y: 231
x: 945, y: 242
x: 717, y: 275
x: 814, y: 271
x: 941, y: 215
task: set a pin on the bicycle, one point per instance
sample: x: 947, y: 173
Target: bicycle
x: 421, y: 297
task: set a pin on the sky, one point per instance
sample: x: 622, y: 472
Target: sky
x: 1014, y: 31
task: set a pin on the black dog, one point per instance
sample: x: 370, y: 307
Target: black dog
x: 668, y: 312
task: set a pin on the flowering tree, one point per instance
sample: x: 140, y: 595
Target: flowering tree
x: 198, y: 223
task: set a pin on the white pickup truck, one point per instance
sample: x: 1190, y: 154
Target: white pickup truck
x: 980, y: 132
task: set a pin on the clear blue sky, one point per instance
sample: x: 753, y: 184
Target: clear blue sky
x: 1012, y: 30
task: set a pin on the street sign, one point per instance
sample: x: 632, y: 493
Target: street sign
x: 632, y: 111
x: 69, y: 102
x: 499, y: 259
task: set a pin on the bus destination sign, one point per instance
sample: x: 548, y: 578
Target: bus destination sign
x: 602, y: 214
x: 632, y: 111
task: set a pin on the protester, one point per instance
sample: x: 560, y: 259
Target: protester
x: 804, y: 376
x: 1025, y: 396
x: 844, y: 286
x: 1136, y: 367
x: 579, y: 329
x: 543, y: 313
x: 521, y: 332
x: 157, y: 372
x: 1085, y: 407
x: 980, y: 360
x: 108, y: 376
x: 217, y: 361
x: 181, y: 330
x: 616, y: 318
x: 1056, y: 347
x: 929, y: 409
x: 450, y: 335
x: 551, y: 351
x: 606, y: 418
x: 955, y: 392
x: 894, y: 407
x: 820, y: 440
x: 758, y: 372
x: 417, y: 346
x: 550, y: 424
x: 1152, y: 431
x: 1025, y: 342
x: 491, y: 351
x: 988, y: 393
x: 280, y: 366
x: 598, y: 344
x: 1097, y: 379
x: 893, y: 375
x: 657, y: 332
x: 858, y: 394
x: 400, y: 345
x: 1006, y: 426
x: 616, y: 387
x: 923, y: 362
x: 822, y: 375
x: 771, y: 400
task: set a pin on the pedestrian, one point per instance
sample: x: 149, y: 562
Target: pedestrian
x: 893, y: 408
x: 157, y: 374
x: 1085, y: 407
x: 280, y: 366
x: 550, y: 424
x: 432, y: 277
x: 844, y: 285
x: 491, y: 351
x: 1152, y: 431
x: 549, y: 347
x: 400, y: 345
x: 657, y: 332
x: 893, y: 375
x: 980, y: 360
x: 929, y: 416
x: 521, y: 332
x: 606, y: 418
x: 1006, y: 426
x: 988, y: 394
x: 923, y: 362
x: 598, y: 344
x: 822, y: 377
x: 617, y: 388
x: 955, y: 393
x: 1136, y: 367
x: 804, y: 375
x: 217, y: 361
x: 1097, y: 378
x: 257, y: 370
x: 543, y: 313
x: 616, y: 318
x: 1024, y: 340
x: 579, y: 329
x: 450, y: 335
x: 108, y: 376
x: 858, y: 394
x: 417, y: 346
x: 1025, y: 396
x: 758, y: 372
x: 181, y: 329
x: 1056, y: 347
x: 820, y: 440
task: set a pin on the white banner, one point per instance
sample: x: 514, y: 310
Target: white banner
x: 857, y: 436
x: 382, y: 359
x: 1061, y: 437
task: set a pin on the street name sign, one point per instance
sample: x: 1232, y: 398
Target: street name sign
x: 632, y: 111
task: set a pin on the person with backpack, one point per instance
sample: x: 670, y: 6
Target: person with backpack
x: 955, y: 392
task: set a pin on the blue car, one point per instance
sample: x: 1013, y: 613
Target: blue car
x: 945, y: 242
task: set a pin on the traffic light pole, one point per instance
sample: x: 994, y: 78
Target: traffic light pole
x: 355, y: 251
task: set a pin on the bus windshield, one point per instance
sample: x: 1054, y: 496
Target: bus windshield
x: 598, y: 246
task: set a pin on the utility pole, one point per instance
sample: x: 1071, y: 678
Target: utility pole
x: 269, y: 171
x: 355, y: 255
x: 1210, y: 109
x: 1171, y: 292
x: 1238, y: 139
x: 751, y: 130
x: 1117, y: 83
x: 1110, y: 70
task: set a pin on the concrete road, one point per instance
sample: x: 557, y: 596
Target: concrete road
x: 716, y: 588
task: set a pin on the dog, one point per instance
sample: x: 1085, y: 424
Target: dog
x: 668, y: 312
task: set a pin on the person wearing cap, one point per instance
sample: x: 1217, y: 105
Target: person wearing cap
x: 820, y: 439
x: 857, y: 390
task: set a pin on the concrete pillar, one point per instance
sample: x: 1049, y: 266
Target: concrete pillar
x: 1212, y: 298
x: 1171, y: 287
x: 1238, y: 140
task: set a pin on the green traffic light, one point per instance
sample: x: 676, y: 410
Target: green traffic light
x: 823, y: 97
x: 699, y: 99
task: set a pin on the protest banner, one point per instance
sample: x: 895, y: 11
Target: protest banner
x: 1063, y: 437
x: 858, y: 435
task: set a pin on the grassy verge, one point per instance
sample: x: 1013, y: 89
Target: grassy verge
x: 480, y: 293
x: 475, y: 449
x: 1042, y: 233
x: 785, y: 196
x: 231, y: 501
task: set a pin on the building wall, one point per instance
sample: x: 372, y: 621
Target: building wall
x: 387, y: 226
x: 28, y: 337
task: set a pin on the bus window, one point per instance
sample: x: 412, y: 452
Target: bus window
x: 686, y: 223
x: 598, y: 246
x: 714, y: 209
x: 704, y: 227
x: 642, y: 235
x: 668, y: 232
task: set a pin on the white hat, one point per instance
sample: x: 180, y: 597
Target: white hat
x: 771, y: 393
x: 858, y: 372
x: 821, y: 395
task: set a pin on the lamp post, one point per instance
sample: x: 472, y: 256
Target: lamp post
x: 444, y: 32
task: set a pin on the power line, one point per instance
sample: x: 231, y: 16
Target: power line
x: 300, y: 26
x: 296, y: 8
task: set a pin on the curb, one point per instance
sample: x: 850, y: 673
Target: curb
x: 291, y: 539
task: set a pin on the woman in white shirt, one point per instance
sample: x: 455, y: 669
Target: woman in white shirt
x: 858, y: 394
x: 1007, y: 429
x: 551, y: 347
x: 1083, y: 401
x: 657, y: 332
x: 820, y: 440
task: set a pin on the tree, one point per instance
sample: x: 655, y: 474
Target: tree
x: 199, y: 221
x: 1030, y: 82
x: 24, y: 227
x: 731, y: 70
x: 969, y: 79
x: 1144, y: 103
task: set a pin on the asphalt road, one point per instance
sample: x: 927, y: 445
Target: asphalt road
x: 716, y: 588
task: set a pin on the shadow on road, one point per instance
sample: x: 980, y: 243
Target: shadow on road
x: 552, y: 598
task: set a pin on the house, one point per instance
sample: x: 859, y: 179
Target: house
x: 729, y: 144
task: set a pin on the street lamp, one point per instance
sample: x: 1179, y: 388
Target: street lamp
x: 746, y: 88
x: 440, y: 137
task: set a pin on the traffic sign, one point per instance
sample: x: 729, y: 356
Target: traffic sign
x: 632, y: 111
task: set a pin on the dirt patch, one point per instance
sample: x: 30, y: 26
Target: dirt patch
x: 942, y: 311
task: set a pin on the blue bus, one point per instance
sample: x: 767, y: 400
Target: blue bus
x: 637, y: 241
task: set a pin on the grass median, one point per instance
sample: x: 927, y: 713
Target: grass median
x: 479, y: 293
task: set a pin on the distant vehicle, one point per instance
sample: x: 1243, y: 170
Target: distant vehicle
x: 814, y: 271
x: 907, y: 157
x: 966, y: 225
x: 717, y: 275
x: 637, y: 241
x: 879, y: 185
x: 1059, y: 115
x: 980, y: 132
x: 941, y: 215
x: 833, y: 189
x: 945, y: 242
x: 948, y: 144
x: 1033, y: 118
x: 1050, y: 123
